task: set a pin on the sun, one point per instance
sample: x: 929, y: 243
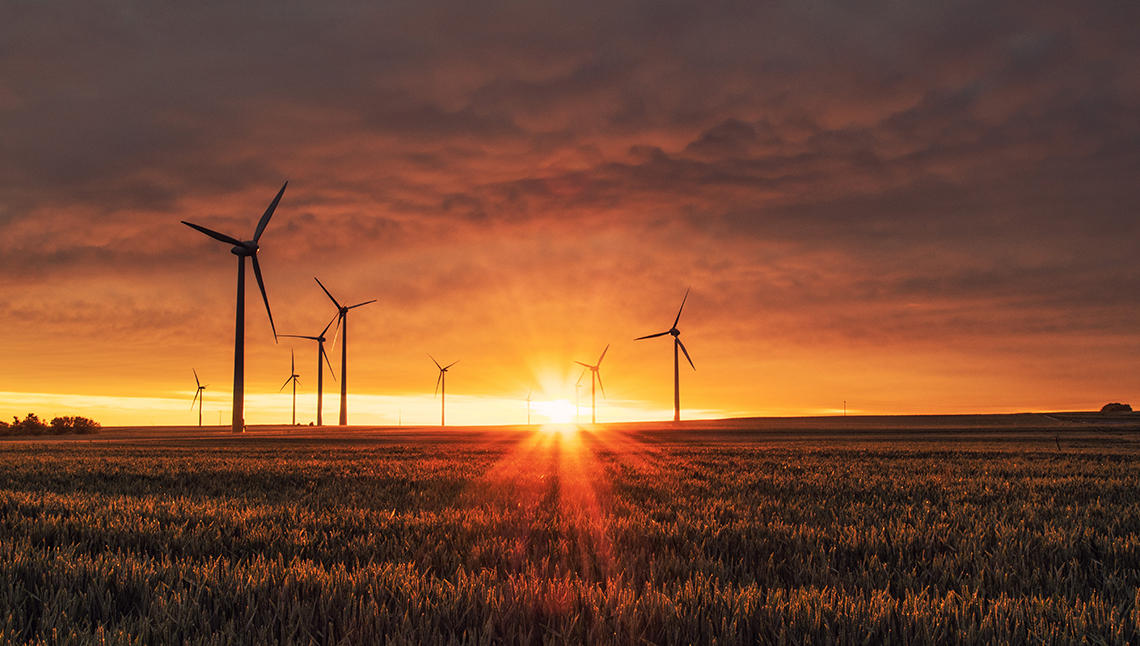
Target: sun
x: 558, y: 411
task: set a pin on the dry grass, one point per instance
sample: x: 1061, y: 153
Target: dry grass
x: 525, y: 537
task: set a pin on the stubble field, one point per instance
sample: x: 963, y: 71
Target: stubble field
x: 928, y: 531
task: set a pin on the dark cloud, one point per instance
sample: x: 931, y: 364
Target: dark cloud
x: 856, y: 172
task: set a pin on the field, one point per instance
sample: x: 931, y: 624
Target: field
x: 956, y: 530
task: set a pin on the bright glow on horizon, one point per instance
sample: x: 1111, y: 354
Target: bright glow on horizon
x: 558, y: 411
x: 363, y: 410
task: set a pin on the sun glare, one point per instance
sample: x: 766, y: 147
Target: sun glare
x: 558, y: 411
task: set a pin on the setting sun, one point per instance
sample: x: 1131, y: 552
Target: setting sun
x: 558, y: 411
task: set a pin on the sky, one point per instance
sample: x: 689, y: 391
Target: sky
x: 893, y: 207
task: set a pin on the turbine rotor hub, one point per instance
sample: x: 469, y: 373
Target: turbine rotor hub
x: 247, y: 248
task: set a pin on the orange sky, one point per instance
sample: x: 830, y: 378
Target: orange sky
x: 908, y: 209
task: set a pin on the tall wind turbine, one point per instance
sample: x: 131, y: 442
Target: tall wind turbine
x: 293, y: 378
x: 320, y: 339
x: 676, y: 364
x: 342, y: 328
x: 441, y: 388
x: 199, y: 397
x: 594, y: 374
x: 243, y: 250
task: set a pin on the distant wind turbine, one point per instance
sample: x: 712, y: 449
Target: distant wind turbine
x: 293, y: 378
x: 576, y: 385
x: 199, y: 397
x: 594, y: 374
x: 676, y: 364
x: 243, y: 250
x: 320, y: 339
x: 441, y: 388
x: 342, y: 328
x: 528, y: 394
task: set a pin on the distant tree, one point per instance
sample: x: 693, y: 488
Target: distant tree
x: 74, y: 424
x: 31, y: 425
x: 1116, y: 407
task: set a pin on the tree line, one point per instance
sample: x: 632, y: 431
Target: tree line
x: 63, y: 425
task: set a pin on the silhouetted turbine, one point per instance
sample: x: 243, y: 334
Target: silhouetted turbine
x: 676, y: 364
x: 441, y: 387
x: 342, y: 329
x: 243, y: 250
x: 320, y: 339
x: 576, y: 385
x: 293, y: 378
x: 598, y: 375
x: 199, y: 397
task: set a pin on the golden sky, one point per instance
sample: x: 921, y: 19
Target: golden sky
x: 906, y: 207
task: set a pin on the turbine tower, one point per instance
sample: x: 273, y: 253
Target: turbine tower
x: 594, y: 374
x: 199, y: 397
x: 342, y: 328
x: 243, y: 250
x: 320, y: 339
x: 293, y: 378
x: 441, y: 388
x: 676, y: 364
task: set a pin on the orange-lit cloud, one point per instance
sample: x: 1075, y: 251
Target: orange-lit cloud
x: 910, y: 208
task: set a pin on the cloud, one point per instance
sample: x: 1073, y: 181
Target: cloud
x: 880, y: 175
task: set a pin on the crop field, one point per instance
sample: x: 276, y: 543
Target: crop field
x: 611, y: 535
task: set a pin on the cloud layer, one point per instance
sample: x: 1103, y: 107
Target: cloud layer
x: 930, y: 205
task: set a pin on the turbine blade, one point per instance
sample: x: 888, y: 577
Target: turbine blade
x: 329, y: 325
x: 583, y: 364
x: 268, y: 214
x: 678, y: 319
x: 285, y: 384
x: 327, y: 292
x: 195, y: 400
x: 261, y: 286
x: 214, y: 234
x: 452, y: 363
x: 326, y: 356
x: 359, y: 304
x: 437, y: 380
x: 434, y: 361
x: 603, y: 355
x: 579, y: 382
x: 600, y: 384
x: 336, y: 332
x: 686, y: 353
x: 292, y: 361
x: 299, y: 336
x: 198, y: 383
x: 652, y: 336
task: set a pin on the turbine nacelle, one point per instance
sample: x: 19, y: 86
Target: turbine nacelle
x: 247, y: 248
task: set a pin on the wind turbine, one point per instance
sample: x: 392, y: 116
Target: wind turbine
x: 676, y: 364
x: 528, y: 394
x: 576, y: 385
x: 199, y: 397
x: 243, y: 250
x: 320, y: 339
x: 293, y: 378
x: 594, y: 374
x: 342, y: 328
x: 441, y: 387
